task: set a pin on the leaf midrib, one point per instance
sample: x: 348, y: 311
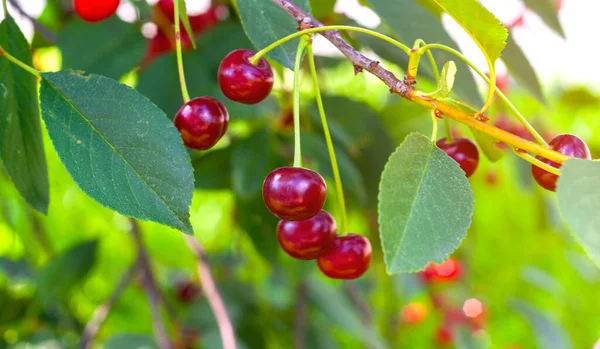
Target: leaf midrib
x: 115, y: 150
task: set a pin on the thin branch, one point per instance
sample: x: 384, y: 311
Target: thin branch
x: 40, y: 28
x: 152, y: 291
x: 102, y: 311
x: 212, y: 294
x: 300, y: 320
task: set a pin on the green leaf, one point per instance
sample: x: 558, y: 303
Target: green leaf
x: 519, y: 67
x: 65, y: 271
x: 183, y: 16
x: 119, y: 147
x: 265, y: 23
x: 420, y: 22
x: 110, y: 48
x: 425, y: 205
x: 322, y: 8
x: 547, y: 11
x: 485, y: 29
x: 447, y: 79
x: 549, y: 333
x: 578, y: 188
x: 251, y: 162
x: 260, y: 225
x: 211, y: 170
x: 21, y: 147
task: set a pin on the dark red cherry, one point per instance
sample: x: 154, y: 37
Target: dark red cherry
x: 202, y: 122
x: 294, y: 193
x: 243, y: 82
x: 348, y: 257
x: 186, y: 291
x: 307, y: 239
x: 95, y: 10
x: 463, y: 151
x: 565, y: 144
x: 167, y: 7
x: 444, y: 336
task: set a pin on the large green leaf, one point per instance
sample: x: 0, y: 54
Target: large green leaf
x: 21, y: 147
x: 520, y: 68
x: 266, y: 23
x: 578, y: 191
x: 110, y: 48
x: 487, y: 31
x: 118, y: 147
x: 251, y: 162
x: 64, y: 271
x: 409, y: 20
x: 425, y: 205
x: 548, y: 12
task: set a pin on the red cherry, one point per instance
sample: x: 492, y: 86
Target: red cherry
x: 307, y: 239
x: 202, y: 122
x: 348, y: 257
x: 566, y: 144
x: 448, y: 271
x: 209, y: 19
x: 463, y: 151
x: 167, y: 7
x: 186, y: 291
x: 444, y: 336
x: 294, y: 193
x: 243, y: 82
x: 95, y: 10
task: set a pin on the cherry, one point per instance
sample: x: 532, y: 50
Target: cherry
x: 414, y: 313
x: 243, y: 82
x: 202, y: 122
x: 294, y: 193
x: 95, y: 10
x: 186, y: 291
x: 347, y: 257
x: 444, y: 336
x: 463, y: 151
x: 168, y: 9
x: 448, y: 271
x: 307, y: 239
x: 565, y: 144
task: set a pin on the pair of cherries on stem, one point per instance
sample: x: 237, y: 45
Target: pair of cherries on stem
x: 296, y: 195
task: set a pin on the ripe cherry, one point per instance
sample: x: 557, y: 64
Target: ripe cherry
x: 186, y: 291
x: 463, y: 151
x: 243, y: 82
x: 167, y: 7
x: 307, y: 239
x: 348, y: 257
x: 95, y: 10
x: 444, y: 336
x: 565, y: 144
x: 294, y: 193
x: 202, y: 122
x: 448, y: 271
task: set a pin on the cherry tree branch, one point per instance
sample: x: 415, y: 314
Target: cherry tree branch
x: 102, y: 311
x: 405, y: 89
x: 212, y: 294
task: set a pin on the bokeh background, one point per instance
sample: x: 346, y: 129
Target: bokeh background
x: 537, y: 287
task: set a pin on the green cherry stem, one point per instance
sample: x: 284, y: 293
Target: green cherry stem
x: 184, y: 91
x: 296, y: 101
x: 334, y: 165
x: 16, y: 61
x: 434, y: 125
x: 254, y: 59
x: 503, y: 97
x: 534, y: 161
x: 5, y: 8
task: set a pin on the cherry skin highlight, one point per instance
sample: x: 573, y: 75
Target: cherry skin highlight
x: 294, y: 193
x: 95, y: 10
x: 243, y: 82
x: 202, y: 122
x: 565, y: 144
x: 307, y: 239
x: 463, y: 151
x: 348, y: 257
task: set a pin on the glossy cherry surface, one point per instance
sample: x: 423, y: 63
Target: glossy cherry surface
x: 202, y: 122
x: 243, y: 82
x: 95, y: 10
x: 294, y: 193
x: 450, y: 270
x: 463, y: 151
x: 565, y: 144
x: 348, y: 257
x: 307, y: 239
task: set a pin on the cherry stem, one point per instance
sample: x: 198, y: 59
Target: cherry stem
x: 334, y: 165
x: 500, y: 94
x: 184, y: 90
x: 535, y: 161
x: 296, y: 101
x: 5, y: 8
x: 434, y: 126
x: 254, y: 59
x: 22, y: 65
